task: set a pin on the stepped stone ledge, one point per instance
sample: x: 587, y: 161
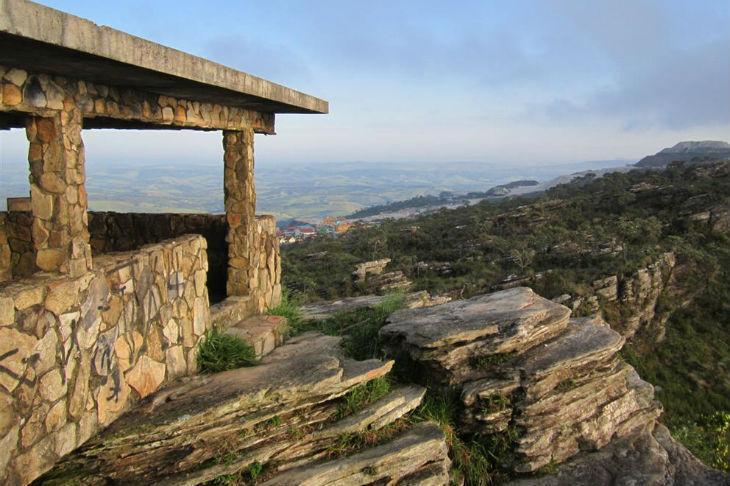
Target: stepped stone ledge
x: 522, y: 365
x: 285, y: 413
x: 264, y: 333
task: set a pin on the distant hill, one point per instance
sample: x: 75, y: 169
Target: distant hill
x: 504, y: 189
x: 444, y: 199
x: 284, y: 223
x: 688, y: 152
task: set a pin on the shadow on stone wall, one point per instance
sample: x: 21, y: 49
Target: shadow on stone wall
x: 111, y: 232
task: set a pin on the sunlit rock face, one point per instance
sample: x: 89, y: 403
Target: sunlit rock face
x: 555, y: 385
x: 288, y: 413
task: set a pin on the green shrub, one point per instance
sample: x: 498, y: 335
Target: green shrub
x: 709, y: 440
x: 289, y: 308
x: 245, y: 476
x: 220, y: 352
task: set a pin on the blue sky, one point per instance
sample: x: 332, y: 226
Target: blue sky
x: 514, y: 82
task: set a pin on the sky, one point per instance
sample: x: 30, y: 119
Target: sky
x: 509, y: 82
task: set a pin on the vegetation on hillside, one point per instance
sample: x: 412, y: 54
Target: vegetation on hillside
x: 444, y: 198
x: 558, y: 243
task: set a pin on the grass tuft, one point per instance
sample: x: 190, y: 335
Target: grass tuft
x: 478, y: 460
x: 220, y: 352
x: 249, y: 475
x: 363, y: 395
x: 289, y: 308
x: 349, y: 443
x: 359, y: 327
x: 495, y: 403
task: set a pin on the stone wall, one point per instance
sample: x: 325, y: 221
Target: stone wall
x: 76, y: 353
x: 128, y: 231
x: 114, y: 232
x: 265, y: 268
x: 98, y: 104
x: 18, y: 226
x: 263, y: 276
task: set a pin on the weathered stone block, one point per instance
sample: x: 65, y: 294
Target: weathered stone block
x: 7, y: 311
x: 146, y: 376
x: 264, y: 333
x: 16, y: 347
x: 11, y: 94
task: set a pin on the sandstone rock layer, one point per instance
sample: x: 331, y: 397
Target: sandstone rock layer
x: 522, y: 365
x: 284, y: 416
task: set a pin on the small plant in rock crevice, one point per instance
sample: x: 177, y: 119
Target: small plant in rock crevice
x: 566, y: 385
x: 289, y: 308
x: 495, y: 403
x: 478, y: 460
x: 485, y: 362
x: 248, y: 475
x: 363, y: 395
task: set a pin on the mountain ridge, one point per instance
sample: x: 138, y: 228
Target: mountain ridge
x: 689, y: 152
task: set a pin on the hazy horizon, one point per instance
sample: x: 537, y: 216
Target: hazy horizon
x: 511, y: 82
x: 481, y: 91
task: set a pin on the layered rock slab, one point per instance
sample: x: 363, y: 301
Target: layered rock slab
x: 325, y: 310
x: 417, y: 457
x: 556, y: 384
x: 285, y: 413
x: 453, y: 339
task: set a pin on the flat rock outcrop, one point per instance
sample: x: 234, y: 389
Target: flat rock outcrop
x: 637, y: 295
x: 373, y: 276
x: 366, y: 269
x: 282, y: 417
x: 556, y: 384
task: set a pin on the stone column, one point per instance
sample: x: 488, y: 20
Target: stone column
x: 240, y: 203
x: 58, y: 196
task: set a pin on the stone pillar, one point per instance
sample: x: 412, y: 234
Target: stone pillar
x: 58, y: 196
x: 240, y: 203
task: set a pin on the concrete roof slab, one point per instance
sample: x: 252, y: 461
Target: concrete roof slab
x: 39, y: 38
